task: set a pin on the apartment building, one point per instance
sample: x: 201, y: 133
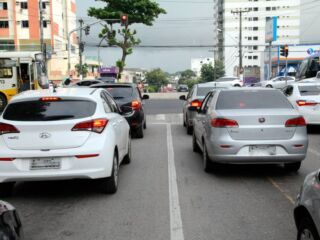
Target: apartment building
x: 254, y: 23
x: 20, y: 30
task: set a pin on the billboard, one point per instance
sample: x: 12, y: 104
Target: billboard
x: 271, y: 29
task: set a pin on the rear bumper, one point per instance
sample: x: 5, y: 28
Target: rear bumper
x: 136, y: 120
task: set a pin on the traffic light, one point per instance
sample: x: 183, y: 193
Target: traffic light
x: 284, y: 50
x: 81, y: 47
x: 124, y: 20
x: 87, y: 30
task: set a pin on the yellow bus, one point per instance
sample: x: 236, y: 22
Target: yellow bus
x: 20, y: 71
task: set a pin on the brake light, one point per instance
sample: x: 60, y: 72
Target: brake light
x: 87, y: 156
x: 6, y: 159
x: 296, y: 122
x: 136, y: 105
x: 302, y: 103
x: 50, y: 99
x: 96, y: 125
x: 223, y: 123
x: 7, y: 128
x: 196, y: 103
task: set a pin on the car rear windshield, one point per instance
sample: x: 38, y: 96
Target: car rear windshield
x: 49, y: 111
x: 203, y: 91
x: 252, y: 99
x: 120, y: 92
x: 310, y: 90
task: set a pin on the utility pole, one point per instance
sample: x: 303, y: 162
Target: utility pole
x: 42, y: 44
x: 81, y: 48
x: 240, y: 12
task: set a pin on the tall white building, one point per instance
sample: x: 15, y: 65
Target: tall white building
x: 253, y: 27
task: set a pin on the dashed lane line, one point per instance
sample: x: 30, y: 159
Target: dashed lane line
x: 176, y: 228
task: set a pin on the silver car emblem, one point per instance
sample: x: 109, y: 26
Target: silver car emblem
x: 45, y: 135
x: 262, y: 120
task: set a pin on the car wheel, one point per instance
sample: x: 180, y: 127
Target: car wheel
x: 207, y: 164
x: 6, y: 189
x: 3, y: 102
x: 195, y: 146
x: 110, y: 184
x: 128, y: 157
x: 307, y: 230
x: 139, y: 132
x: 145, y: 124
x: 237, y: 85
x: 269, y: 86
x: 292, y: 167
x: 184, y: 122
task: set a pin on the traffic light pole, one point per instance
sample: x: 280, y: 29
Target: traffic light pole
x: 286, y: 73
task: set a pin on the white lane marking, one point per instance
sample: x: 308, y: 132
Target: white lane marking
x: 283, y: 192
x: 176, y: 228
x: 315, y: 152
x: 161, y: 117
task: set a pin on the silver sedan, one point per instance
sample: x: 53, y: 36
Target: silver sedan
x: 242, y: 126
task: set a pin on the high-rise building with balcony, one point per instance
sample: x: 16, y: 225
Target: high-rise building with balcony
x: 20, y: 30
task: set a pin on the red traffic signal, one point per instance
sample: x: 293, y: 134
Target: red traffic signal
x: 124, y: 20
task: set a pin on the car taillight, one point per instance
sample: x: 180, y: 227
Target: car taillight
x: 196, y: 103
x: 6, y: 159
x: 223, y: 123
x: 7, y: 128
x: 296, y: 122
x: 136, y: 105
x: 50, y: 99
x: 96, y: 125
x: 302, y: 103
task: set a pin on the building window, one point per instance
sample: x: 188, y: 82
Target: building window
x: 255, y: 47
x: 255, y: 28
x: 44, y: 5
x: 45, y: 24
x: 25, y: 24
x: 4, y: 24
x: 3, y: 6
x: 24, y: 5
x: 255, y: 38
x: 255, y: 57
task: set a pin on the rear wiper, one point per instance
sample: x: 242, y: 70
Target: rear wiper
x: 118, y: 97
x: 58, y: 117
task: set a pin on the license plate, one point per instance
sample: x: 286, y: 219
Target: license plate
x: 263, y: 149
x: 45, y: 163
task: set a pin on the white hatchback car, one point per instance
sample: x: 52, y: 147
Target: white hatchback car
x: 278, y: 82
x: 226, y: 82
x: 70, y: 133
x: 306, y: 98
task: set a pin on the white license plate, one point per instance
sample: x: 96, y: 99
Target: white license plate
x: 263, y: 150
x: 45, y: 163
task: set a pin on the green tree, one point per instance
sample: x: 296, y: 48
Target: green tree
x: 210, y: 73
x: 85, y: 69
x: 138, y: 11
x: 157, y: 78
x: 186, y: 75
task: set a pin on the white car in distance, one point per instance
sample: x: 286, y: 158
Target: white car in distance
x: 226, y: 82
x: 305, y: 96
x: 278, y: 82
x: 71, y: 133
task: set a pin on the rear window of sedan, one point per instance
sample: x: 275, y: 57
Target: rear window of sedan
x: 203, y: 91
x: 310, y: 90
x: 121, y: 92
x: 252, y: 99
x: 49, y: 111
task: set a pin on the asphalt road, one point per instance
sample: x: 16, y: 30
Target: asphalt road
x: 165, y: 194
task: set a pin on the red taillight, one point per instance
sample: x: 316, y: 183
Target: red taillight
x: 87, y: 156
x: 6, y: 159
x: 50, y: 99
x: 302, y: 103
x: 196, y: 103
x: 223, y: 122
x: 136, y: 105
x: 296, y: 122
x: 96, y: 125
x: 7, y: 128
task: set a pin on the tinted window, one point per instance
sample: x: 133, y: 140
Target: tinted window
x: 252, y: 99
x: 118, y: 92
x: 49, y: 111
x: 203, y: 91
x: 309, y: 90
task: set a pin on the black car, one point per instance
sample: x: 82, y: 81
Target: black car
x: 10, y: 224
x: 128, y: 96
x: 182, y: 88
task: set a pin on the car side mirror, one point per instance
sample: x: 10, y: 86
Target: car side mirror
x: 145, y: 97
x: 183, y: 97
x: 67, y: 82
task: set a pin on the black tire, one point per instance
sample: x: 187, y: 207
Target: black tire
x: 139, y: 132
x: 195, y: 146
x: 237, y: 85
x: 184, y: 122
x: 292, y: 167
x: 145, y: 124
x: 269, y: 86
x: 6, y: 189
x: 3, y: 102
x: 110, y: 185
x: 307, y: 230
x: 128, y: 157
x: 189, y: 130
x: 207, y: 164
